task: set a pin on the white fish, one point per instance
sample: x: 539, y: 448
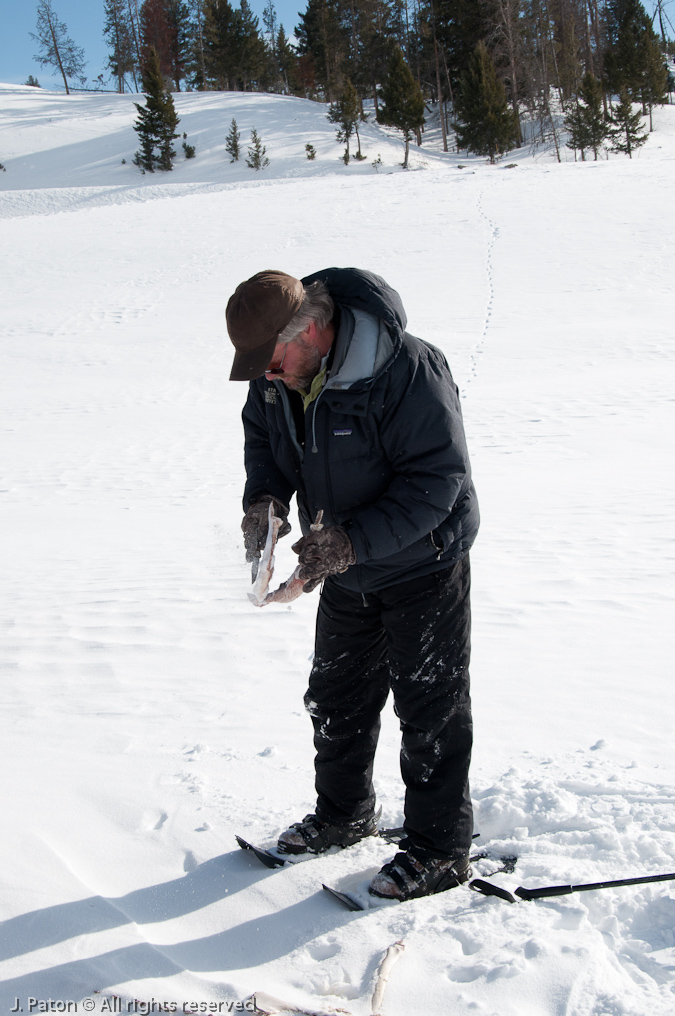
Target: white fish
x: 259, y: 589
x: 293, y: 586
x: 287, y: 591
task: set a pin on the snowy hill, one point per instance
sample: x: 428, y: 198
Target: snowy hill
x: 49, y: 140
x: 150, y: 712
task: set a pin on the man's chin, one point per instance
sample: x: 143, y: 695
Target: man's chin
x: 295, y: 384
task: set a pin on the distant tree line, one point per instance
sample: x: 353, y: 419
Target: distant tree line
x: 496, y: 71
x: 536, y: 45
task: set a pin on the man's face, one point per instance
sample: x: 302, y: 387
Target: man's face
x: 301, y: 364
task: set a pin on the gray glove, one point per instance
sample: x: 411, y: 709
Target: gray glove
x: 254, y: 524
x: 323, y: 553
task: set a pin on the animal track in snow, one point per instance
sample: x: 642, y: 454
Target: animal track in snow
x: 494, y: 234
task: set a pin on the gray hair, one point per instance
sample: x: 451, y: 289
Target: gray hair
x: 317, y: 306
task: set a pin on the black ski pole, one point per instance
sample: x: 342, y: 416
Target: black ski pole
x: 488, y: 889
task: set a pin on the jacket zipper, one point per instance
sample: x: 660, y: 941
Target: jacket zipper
x: 290, y: 424
x: 316, y: 402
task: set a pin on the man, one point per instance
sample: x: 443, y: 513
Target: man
x: 362, y: 420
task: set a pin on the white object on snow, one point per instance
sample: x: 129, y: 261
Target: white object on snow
x: 390, y: 957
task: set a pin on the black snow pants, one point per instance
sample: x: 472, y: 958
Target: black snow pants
x: 412, y: 638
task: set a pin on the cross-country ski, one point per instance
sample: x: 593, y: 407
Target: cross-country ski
x: 272, y: 857
x: 354, y: 891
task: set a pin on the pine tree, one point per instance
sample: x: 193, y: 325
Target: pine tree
x: 286, y: 60
x: 362, y: 118
x: 654, y: 77
x: 270, y: 22
x: 249, y: 48
x: 575, y: 126
x: 219, y: 43
x: 118, y: 33
x: 256, y: 153
x: 586, y: 122
x: 628, y: 28
x: 232, y: 146
x: 345, y: 114
x: 178, y: 25
x: 271, y: 77
x: 594, y: 116
x: 376, y: 27
x: 155, y: 34
x: 195, y: 61
x: 157, y: 121
x: 324, y: 37
x: 461, y: 26
x: 403, y: 102
x: 57, y: 48
x: 135, y: 28
x: 486, y: 125
x: 626, y: 129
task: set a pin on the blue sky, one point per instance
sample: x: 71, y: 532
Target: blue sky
x: 84, y: 19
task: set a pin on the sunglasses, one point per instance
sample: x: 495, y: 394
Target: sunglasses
x: 280, y: 368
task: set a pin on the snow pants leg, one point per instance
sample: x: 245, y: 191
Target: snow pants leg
x: 412, y: 638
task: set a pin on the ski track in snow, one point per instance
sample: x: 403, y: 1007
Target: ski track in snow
x: 151, y: 712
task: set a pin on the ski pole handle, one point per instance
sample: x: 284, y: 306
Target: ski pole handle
x: 540, y: 894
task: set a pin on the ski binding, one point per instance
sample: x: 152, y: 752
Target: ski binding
x: 272, y: 858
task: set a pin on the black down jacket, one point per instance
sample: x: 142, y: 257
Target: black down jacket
x: 385, y: 454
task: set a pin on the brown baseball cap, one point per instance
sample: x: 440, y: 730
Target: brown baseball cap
x: 258, y: 310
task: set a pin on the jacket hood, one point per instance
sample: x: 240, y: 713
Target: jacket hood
x: 352, y: 287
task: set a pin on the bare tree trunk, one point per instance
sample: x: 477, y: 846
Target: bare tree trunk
x: 135, y: 28
x: 554, y: 132
x: 200, y: 38
x: 507, y: 20
x: 407, y: 33
x: 324, y: 37
x: 545, y: 115
x: 118, y: 49
x: 441, y: 111
x: 452, y: 98
x: 551, y: 42
x: 416, y: 3
x: 659, y: 8
x: 56, y: 51
x: 439, y: 90
x: 587, y: 40
x: 595, y: 22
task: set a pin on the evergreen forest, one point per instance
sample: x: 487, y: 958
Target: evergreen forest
x: 497, y: 73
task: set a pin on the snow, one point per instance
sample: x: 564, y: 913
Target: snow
x: 151, y: 712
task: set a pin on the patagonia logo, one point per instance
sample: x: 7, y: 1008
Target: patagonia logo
x: 341, y: 433
x: 271, y: 396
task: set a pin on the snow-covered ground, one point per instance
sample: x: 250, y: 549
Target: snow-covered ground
x: 150, y: 712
